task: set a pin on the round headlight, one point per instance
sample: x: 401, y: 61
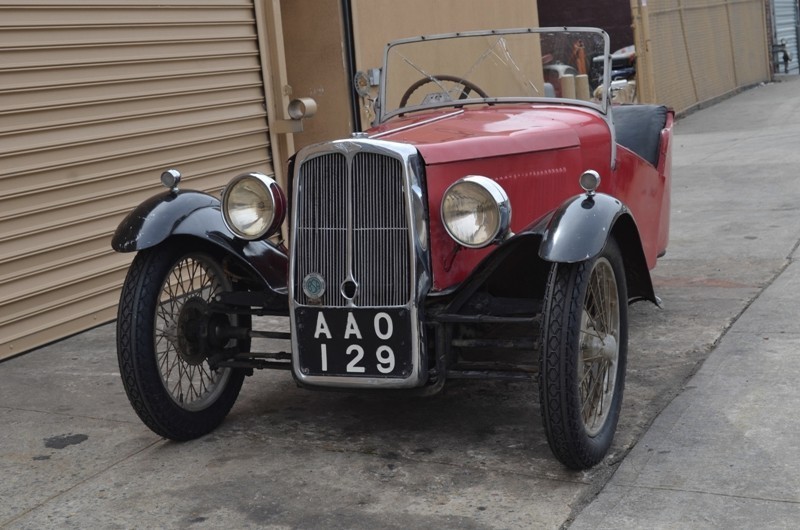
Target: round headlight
x: 476, y: 211
x: 253, y: 206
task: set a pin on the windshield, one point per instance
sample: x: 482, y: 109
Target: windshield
x: 495, y: 66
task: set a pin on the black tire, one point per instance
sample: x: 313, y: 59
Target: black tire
x: 584, y: 341
x: 160, y: 349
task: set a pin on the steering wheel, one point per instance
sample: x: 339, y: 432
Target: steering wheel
x: 467, y: 87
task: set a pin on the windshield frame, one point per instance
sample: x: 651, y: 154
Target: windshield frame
x: 383, y: 115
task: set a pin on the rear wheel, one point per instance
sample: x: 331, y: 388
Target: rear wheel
x: 584, y: 351
x: 163, y: 342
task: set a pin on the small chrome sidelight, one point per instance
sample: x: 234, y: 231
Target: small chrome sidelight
x: 171, y: 178
x: 589, y: 181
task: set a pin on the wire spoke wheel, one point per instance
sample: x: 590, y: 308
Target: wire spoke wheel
x: 164, y: 342
x: 599, y: 347
x: 583, y: 357
x: 188, y: 288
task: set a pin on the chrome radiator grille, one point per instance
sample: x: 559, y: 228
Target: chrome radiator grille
x: 352, y: 223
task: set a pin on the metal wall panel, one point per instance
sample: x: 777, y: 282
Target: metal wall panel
x: 97, y: 97
x: 786, y: 21
x: 693, y: 51
x: 376, y: 22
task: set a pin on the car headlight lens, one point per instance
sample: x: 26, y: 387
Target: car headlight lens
x: 253, y: 206
x: 476, y: 211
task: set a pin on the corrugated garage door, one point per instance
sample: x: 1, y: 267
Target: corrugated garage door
x: 692, y: 51
x: 97, y: 97
x: 786, y: 21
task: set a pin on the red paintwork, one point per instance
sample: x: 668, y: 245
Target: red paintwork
x: 536, y: 152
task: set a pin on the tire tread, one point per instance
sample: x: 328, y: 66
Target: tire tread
x: 559, y: 395
x: 137, y: 362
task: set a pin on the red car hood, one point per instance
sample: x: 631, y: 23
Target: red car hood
x: 483, y: 132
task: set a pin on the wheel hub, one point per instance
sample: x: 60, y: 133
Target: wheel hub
x: 192, y: 331
x: 596, y: 348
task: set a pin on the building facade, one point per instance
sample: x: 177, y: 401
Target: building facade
x: 98, y: 98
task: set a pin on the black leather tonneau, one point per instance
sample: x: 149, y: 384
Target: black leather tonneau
x: 638, y: 128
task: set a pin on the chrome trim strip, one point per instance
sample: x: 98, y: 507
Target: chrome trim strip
x: 488, y: 101
x: 349, y: 226
x: 417, y: 124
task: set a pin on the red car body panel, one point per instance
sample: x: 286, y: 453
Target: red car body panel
x: 536, y: 153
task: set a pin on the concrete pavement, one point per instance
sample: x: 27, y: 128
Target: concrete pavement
x: 707, y: 436
x: 724, y: 453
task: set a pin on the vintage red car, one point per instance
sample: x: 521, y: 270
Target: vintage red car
x: 489, y: 225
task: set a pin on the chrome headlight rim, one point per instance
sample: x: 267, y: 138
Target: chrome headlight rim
x: 274, y: 203
x: 493, y: 197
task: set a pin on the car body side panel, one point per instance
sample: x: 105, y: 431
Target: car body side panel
x: 665, y: 172
x: 643, y: 190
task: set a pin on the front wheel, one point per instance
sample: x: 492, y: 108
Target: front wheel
x: 163, y: 343
x: 584, y: 350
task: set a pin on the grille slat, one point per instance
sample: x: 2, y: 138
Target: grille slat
x: 380, y: 252
x: 322, y: 225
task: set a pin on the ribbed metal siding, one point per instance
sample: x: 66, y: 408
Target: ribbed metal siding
x: 786, y: 20
x: 699, y: 49
x: 96, y: 99
x: 380, y: 253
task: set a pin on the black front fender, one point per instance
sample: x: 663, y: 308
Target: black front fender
x: 197, y: 215
x: 159, y: 217
x: 579, y: 228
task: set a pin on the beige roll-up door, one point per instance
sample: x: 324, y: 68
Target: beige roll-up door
x: 97, y: 97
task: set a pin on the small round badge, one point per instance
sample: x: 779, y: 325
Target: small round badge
x: 314, y: 286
